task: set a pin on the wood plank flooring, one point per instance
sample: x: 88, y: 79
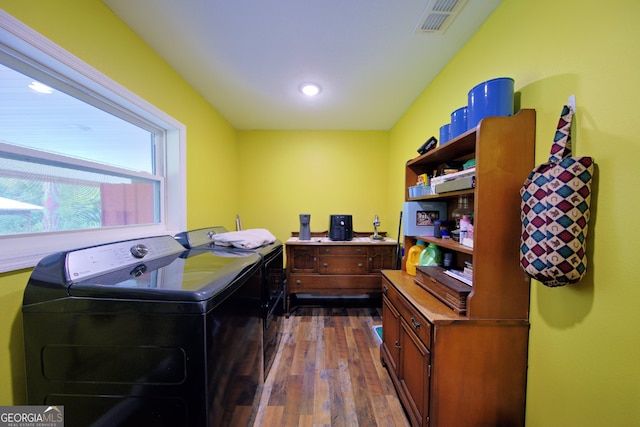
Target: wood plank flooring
x: 328, y: 373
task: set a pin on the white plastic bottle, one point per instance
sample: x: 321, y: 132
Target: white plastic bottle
x: 465, y: 222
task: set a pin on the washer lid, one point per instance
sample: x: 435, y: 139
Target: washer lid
x: 198, y: 277
x: 199, y: 237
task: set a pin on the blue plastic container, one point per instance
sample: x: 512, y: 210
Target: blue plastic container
x: 458, y: 122
x: 491, y: 98
x: 445, y: 134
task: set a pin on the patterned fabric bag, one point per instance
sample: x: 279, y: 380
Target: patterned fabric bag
x: 555, y: 212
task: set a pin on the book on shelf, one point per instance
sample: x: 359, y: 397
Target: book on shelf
x: 456, y: 274
x: 449, y: 176
x: 460, y: 183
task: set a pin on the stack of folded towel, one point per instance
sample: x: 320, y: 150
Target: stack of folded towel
x: 244, y: 239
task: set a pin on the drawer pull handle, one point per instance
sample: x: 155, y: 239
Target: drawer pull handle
x: 298, y: 281
x: 359, y: 265
x: 397, y: 345
x: 325, y: 264
x: 414, y: 322
x: 385, y: 289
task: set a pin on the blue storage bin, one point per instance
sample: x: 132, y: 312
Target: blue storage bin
x: 419, y: 191
x: 491, y: 98
x: 445, y: 135
x: 458, y: 122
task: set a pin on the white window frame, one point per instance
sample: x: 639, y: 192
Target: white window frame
x: 25, y: 251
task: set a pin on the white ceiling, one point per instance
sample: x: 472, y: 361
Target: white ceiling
x: 248, y: 57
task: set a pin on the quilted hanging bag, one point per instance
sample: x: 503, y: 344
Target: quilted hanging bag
x: 555, y: 212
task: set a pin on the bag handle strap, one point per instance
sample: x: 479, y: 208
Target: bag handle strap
x: 561, y: 147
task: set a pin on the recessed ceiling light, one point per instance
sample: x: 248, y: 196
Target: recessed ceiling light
x: 310, y: 89
x: 40, y: 88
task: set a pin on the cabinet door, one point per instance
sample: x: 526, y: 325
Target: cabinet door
x: 303, y: 259
x: 414, y: 373
x: 381, y: 258
x: 390, y: 332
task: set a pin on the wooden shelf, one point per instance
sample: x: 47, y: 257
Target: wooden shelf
x: 503, y: 148
x: 444, y: 196
x: 452, y: 150
x: 447, y: 244
x: 482, y: 331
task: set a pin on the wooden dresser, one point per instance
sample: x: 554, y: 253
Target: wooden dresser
x: 324, y: 267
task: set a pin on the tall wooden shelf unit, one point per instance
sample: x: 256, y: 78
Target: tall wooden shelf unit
x: 469, y: 368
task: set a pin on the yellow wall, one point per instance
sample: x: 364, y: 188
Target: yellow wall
x: 286, y: 173
x: 90, y: 31
x: 12, y: 382
x: 584, y: 343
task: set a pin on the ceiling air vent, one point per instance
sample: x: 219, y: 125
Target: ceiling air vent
x: 438, y: 15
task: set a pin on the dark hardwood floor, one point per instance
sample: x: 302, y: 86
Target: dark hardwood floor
x: 328, y: 373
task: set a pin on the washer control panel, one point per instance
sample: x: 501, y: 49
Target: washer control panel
x: 85, y: 263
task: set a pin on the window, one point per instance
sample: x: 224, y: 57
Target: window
x: 83, y: 161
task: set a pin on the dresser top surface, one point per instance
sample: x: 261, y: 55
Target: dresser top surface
x: 320, y: 241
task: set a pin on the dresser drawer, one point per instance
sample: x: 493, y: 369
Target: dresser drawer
x: 333, y: 284
x: 391, y: 293
x: 416, y: 321
x: 342, y: 250
x: 346, y: 264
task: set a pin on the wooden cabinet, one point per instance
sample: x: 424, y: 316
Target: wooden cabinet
x: 450, y: 370
x: 325, y: 267
x: 467, y: 367
x: 405, y: 332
